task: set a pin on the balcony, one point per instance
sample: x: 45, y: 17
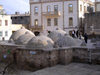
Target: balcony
x: 51, y: 14
x: 37, y: 28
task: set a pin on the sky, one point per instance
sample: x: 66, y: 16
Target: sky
x: 11, y: 6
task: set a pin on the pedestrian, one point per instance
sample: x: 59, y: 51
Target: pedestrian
x: 85, y: 37
x: 73, y: 33
x: 77, y: 33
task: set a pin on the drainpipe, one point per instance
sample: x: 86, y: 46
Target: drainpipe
x: 63, y: 16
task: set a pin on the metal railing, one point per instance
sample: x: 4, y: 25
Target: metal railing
x: 37, y: 27
x: 51, y: 13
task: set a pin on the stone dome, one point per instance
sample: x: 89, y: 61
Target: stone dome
x: 78, y: 41
x: 40, y: 42
x: 61, y: 39
x: 65, y: 41
x: 19, y: 33
x: 55, y: 35
x: 24, y: 39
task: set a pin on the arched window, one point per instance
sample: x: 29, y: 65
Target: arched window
x: 70, y: 21
x: 36, y: 22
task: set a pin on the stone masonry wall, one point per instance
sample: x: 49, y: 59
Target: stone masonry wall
x: 36, y: 58
x: 33, y: 59
x: 86, y: 55
x: 6, y: 53
x: 41, y: 59
x: 65, y: 56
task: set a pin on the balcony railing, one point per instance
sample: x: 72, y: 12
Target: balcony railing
x: 51, y: 14
x: 37, y: 28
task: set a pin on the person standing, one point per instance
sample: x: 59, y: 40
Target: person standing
x: 77, y: 33
x: 73, y: 34
x: 85, y: 37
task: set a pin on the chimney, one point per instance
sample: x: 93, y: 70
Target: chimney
x: 17, y: 13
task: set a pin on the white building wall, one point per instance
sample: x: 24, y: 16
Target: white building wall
x: 81, y: 13
x: 9, y: 28
x: 4, y: 28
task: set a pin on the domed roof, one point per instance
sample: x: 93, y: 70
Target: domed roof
x: 55, y: 35
x: 78, y: 41
x: 18, y: 33
x: 23, y: 39
x: 65, y: 41
x: 40, y: 42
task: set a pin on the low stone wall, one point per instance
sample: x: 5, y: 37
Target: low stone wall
x: 6, y: 53
x: 40, y: 58
x: 86, y: 55
x: 65, y: 55
x: 35, y: 58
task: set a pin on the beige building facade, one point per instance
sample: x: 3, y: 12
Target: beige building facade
x: 47, y: 15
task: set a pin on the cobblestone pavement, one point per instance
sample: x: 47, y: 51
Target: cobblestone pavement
x: 71, y: 69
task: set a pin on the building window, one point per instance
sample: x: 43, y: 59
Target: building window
x: 48, y: 8
x: 36, y: 22
x: 0, y: 33
x: 55, y: 21
x: 15, y: 17
x: 6, y: 22
x: 0, y: 22
x: 13, y: 32
x: 36, y: 10
x: 21, y: 17
x: 49, y: 22
x: 55, y: 8
x: 80, y: 7
x: 70, y: 21
x: 70, y: 8
x: 6, y: 33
